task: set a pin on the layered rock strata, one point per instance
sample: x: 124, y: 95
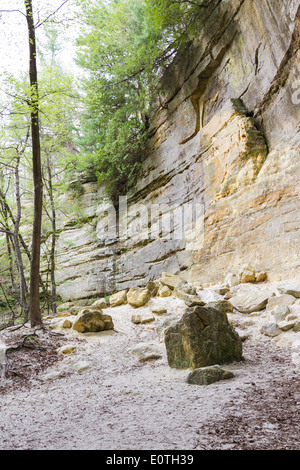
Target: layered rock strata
x: 220, y: 186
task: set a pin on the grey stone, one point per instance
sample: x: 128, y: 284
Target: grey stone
x: 252, y: 301
x: 289, y: 288
x: 270, y: 329
x: 202, y: 337
x: 146, y: 352
x: 208, y: 375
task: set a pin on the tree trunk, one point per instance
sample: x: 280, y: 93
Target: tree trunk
x: 53, y: 241
x: 22, y: 281
x: 35, y: 311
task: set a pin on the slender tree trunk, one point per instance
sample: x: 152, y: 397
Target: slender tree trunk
x: 53, y: 241
x: 35, y: 311
x: 22, y: 281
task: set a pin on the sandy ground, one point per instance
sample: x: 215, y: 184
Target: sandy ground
x: 119, y: 403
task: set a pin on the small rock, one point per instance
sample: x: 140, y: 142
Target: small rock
x: 289, y: 288
x: 270, y: 329
x: 192, y: 300
x: 222, y: 305
x: 120, y: 298
x: 138, y: 297
x: 152, y: 287
x: 66, y: 324
x: 82, y: 366
x: 286, y: 325
x: 208, y: 375
x: 221, y: 290
x: 170, y: 280
x: 297, y: 327
x: 67, y: 349
x: 280, y: 312
x: 142, y: 318
x: 146, y: 352
x: 159, y: 310
x: 261, y: 277
x: 101, y: 303
x: 228, y: 295
x: 164, y: 291
x: 246, y: 274
x: 184, y: 288
x: 284, y: 300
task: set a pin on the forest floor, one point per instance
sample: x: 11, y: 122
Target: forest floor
x: 119, y: 403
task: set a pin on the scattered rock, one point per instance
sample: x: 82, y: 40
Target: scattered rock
x: 142, y: 318
x: 289, y: 288
x: 284, y: 300
x: 252, y: 301
x: 170, y: 280
x: 261, y: 277
x: 138, y: 296
x: 66, y: 324
x: 164, y: 291
x: 152, y: 288
x: 222, y: 305
x: 184, y: 288
x: 297, y: 327
x: 120, y: 298
x: 159, y: 310
x: 228, y: 295
x: 82, y: 366
x: 270, y: 329
x: 101, y: 303
x: 280, y: 312
x: 208, y: 375
x: 146, y: 352
x: 192, y: 300
x: 286, y: 325
x: 221, y: 290
x: 246, y: 274
x: 202, y: 337
x: 92, y: 321
x: 67, y: 349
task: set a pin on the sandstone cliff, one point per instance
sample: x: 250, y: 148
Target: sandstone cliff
x: 220, y: 186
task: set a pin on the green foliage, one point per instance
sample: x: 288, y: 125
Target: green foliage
x: 125, y: 47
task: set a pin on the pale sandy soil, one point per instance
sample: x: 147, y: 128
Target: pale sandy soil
x: 120, y: 403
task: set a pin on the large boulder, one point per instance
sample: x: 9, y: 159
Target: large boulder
x: 92, y: 320
x: 138, y: 296
x: 202, y: 337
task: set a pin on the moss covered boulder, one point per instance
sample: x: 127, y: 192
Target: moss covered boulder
x: 202, y: 337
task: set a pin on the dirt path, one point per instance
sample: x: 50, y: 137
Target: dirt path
x: 120, y: 403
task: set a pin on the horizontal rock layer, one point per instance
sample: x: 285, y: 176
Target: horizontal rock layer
x: 220, y: 184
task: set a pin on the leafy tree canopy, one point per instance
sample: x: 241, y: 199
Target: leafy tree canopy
x: 125, y: 47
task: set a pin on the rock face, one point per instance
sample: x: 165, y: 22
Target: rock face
x: 203, y: 337
x: 222, y: 175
